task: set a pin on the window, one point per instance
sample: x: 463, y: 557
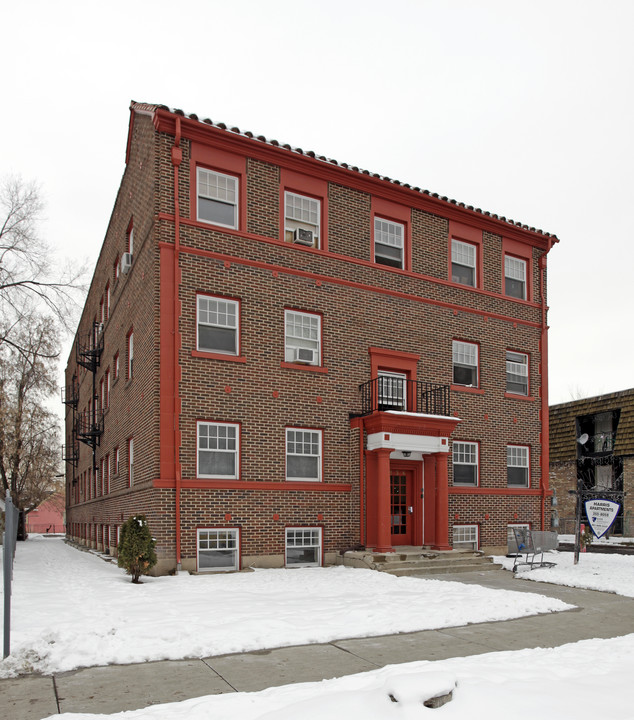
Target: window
x: 388, y: 242
x: 465, y: 364
x: 465, y: 536
x: 130, y: 239
x: 303, y: 547
x: 303, y: 454
x: 218, y: 450
x: 515, y: 277
x: 517, y: 465
x: 104, y: 387
x: 130, y: 353
x: 302, y: 337
x: 107, y: 302
x: 465, y: 463
x: 218, y: 550
x: 106, y: 475
x: 391, y: 391
x: 116, y: 268
x: 217, y: 324
x: 130, y: 462
x: 301, y: 219
x: 217, y: 198
x: 116, y: 461
x: 463, y: 263
x: 516, y: 373
x: 116, y: 366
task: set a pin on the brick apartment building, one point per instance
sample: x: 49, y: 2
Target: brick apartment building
x: 592, y: 449
x: 282, y: 357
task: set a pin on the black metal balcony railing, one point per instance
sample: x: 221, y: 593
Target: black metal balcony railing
x: 392, y: 393
x: 89, y: 427
x: 600, y: 443
x: 70, y: 453
x: 70, y: 394
x: 90, y: 347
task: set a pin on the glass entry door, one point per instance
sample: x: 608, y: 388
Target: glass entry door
x: 401, y: 507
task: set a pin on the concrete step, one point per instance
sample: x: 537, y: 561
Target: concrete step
x: 442, y: 569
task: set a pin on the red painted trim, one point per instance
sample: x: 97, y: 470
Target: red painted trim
x: 393, y: 361
x: 471, y: 236
x: 395, y: 212
x: 467, y: 389
x: 514, y: 396
x: 309, y: 186
x: 218, y: 356
x: 271, y: 152
x: 350, y: 283
x: 266, y: 485
x: 223, y: 162
x: 299, y: 366
x: 502, y: 492
x: 433, y: 426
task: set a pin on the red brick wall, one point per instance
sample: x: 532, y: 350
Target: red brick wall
x: 361, y: 305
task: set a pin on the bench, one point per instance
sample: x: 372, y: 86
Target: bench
x: 531, y: 546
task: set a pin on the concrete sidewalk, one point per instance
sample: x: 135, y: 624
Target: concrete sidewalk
x: 127, y: 687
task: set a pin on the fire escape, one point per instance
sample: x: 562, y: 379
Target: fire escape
x: 87, y: 425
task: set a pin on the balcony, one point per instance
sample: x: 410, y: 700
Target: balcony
x: 601, y: 443
x: 89, y: 348
x: 402, y: 395
x: 70, y: 453
x: 89, y: 427
x: 70, y: 394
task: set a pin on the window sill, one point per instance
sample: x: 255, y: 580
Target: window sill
x: 218, y: 356
x: 299, y: 366
x: 525, y: 398
x: 467, y: 389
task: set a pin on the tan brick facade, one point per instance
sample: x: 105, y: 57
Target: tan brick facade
x: 360, y: 304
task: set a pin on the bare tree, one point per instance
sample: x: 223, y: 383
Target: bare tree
x: 29, y: 433
x: 30, y: 279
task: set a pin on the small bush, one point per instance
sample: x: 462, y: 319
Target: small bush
x: 136, y: 547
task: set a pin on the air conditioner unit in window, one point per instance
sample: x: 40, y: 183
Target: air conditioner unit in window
x: 303, y: 237
x: 306, y: 355
x: 126, y: 263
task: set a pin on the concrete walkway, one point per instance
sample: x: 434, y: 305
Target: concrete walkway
x: 127, y: 687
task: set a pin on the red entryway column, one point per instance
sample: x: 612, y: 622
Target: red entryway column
x: 442, y: 502
x: 383, y: 501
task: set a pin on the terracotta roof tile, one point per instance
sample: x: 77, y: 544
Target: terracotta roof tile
x: 310, y: 153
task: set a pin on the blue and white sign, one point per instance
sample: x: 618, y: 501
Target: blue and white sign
x: 601, y: 515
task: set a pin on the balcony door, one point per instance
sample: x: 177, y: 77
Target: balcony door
x: 392, y: 391
x: 402, y: 506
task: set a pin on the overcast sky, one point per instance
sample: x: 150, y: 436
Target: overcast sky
x: 522, y: 109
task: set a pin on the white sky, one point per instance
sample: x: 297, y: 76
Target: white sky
x: 522, y: 109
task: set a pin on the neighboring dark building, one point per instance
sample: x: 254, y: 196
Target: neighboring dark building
x: 603, y: 461
x: 282, y: 356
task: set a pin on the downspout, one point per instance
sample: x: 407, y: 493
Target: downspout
x: 177, y: 156
x: 545, y: 455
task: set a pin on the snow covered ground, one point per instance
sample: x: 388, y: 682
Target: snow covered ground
x: 588, y: 679
x: 71, y: 609
x: 609, y: 573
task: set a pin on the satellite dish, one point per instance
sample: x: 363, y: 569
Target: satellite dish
x: 583, y: 439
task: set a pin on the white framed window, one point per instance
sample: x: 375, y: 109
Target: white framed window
x: 218, y: 450
x: 303, y: 547
x: 515, y: 277
x: 301, y: 219
x: 389, y: 242
x: 130, y: 462
x: 116, y: 366
x: 463, y: 263
x: 303, y: 454
x: 392, y: 391
x: 465, y: 363
x: 116, y: 461
x: 517, y: 465
x: 217, y: 323
x: 217, y: 198
x: 516, y: 373
x: 465, y: 537
x: 465, y: 463
x: 130, y: 354
x: 218, y: 549
x: 302, y: 339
